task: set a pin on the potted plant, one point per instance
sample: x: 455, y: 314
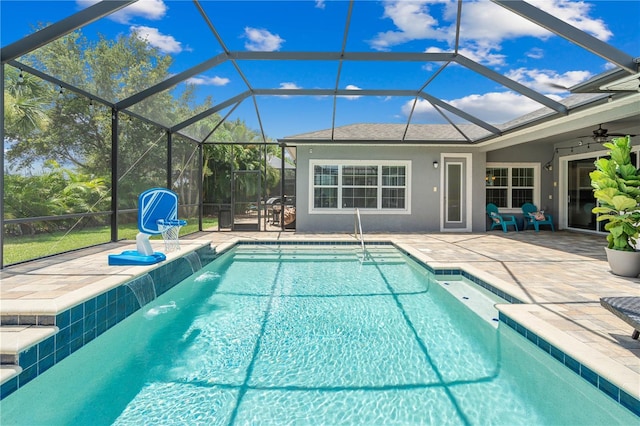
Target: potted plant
x: 616, y: 186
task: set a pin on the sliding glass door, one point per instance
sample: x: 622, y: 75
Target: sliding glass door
x: 580, y: 199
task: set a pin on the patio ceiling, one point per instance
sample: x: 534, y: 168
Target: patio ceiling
x: 413, y: 75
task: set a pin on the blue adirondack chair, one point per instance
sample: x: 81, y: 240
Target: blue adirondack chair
x: 533, y: 217
x: 498, y: 220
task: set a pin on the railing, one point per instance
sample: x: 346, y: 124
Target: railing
x: 358, y: 229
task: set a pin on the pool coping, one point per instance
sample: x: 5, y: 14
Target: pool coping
x: 610, y: 377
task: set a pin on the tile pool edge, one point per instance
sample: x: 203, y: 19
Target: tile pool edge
x: 566, y: 350
x: 84, y: 322
x: 441, y: 270
x: 597, y: 377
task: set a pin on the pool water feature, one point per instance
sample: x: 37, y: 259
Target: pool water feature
x: 311, y: 335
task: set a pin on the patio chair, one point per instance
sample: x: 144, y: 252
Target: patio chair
x: 534, y: 217
x: 498, y: 220
x: 625, y: 308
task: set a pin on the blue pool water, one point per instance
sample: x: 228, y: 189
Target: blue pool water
x: 307, y: 335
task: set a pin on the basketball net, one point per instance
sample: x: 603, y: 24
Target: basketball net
x: 170, y: 234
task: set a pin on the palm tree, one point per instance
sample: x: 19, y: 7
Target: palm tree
x: 25, y: 102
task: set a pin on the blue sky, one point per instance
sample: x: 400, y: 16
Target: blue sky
x: 491, y: 36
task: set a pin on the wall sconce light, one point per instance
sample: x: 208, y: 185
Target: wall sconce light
x: 435, y: 164
x: 548, y: 167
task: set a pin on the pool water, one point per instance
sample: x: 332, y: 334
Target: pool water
x: 311, y: 335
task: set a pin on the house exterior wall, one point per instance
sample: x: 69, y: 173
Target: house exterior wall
x: 534, y: 153
x: 425, y: 209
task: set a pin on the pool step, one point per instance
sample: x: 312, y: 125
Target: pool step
x: 20, y: 350
x: 373, y: 255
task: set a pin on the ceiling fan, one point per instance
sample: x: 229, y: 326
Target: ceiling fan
x: 601, y: 135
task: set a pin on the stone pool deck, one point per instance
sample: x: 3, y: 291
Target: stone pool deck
x: 560, y: 276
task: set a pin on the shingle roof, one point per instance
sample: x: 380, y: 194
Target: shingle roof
x: 443, y: 133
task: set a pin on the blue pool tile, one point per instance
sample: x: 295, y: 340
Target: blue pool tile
x: 101, y: 301
x: 111, y: 296
x: 89, y: 336
x: 61, y: 353
x: 28, y: 357
x: 46, y: 347
x: 46, y: 363
x: 90, y: 322
x: 9, y: 387
x: 544, y: 345
x: 77, y: 312
x: 589, y: 375
x: 63, y: 319
x: 62, y: 338
x: 76, y: 344
x: 27, y: 375
x: 609, y: 388
x: 90, y: 306
x: 557, y: 354
x: 101, y: 327
x: 76, y: 330
x: 630, y: 402
x: 533, y: 337
x: 572, y: 363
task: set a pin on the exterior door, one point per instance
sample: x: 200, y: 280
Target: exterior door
x: 580, y: 199
x: 456, y: 197
x: 246, y: 200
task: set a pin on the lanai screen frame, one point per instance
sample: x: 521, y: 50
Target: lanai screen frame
x: 9, y: 55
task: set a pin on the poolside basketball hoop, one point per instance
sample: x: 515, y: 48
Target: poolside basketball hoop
x: 170, y: 230
x: 157, y: 214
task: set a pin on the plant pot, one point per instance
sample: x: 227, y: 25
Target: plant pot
x: 624, y: 263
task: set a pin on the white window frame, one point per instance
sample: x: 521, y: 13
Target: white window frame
x: 350, y: 210
x: 510, y: 167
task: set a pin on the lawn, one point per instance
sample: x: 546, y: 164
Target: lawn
x: 19, y: 249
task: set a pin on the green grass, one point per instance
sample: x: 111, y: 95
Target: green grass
x: 19, y: 249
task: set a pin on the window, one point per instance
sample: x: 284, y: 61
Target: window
x: 359, y: 184
x: 510, y: 185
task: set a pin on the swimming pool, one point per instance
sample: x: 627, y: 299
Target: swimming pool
x: 312, y: 335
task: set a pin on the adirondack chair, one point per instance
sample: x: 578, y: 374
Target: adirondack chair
x: 498, y: 220
x: 534, y: 217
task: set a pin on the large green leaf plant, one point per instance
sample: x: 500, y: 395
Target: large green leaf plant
x: 616, y: 185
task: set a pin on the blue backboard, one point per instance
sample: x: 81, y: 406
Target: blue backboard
x: 155, y: 204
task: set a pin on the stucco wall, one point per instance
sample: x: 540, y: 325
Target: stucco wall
x: 535, y: 153
x: 425, y: 202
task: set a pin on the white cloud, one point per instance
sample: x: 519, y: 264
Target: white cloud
x: 164, y: 43
x: 575, y: 13
x: 320, y: 4
x: 288, y: 85
x: 147, y: 9
x: 262, y: 40
x: 484, y: 25
x: 352, y: 97
x: 548, y: 81
x: 413, y: 22
x: 208, y: 81
x: 535, y: 53
x: 493, y: 107
x: 488, y: 21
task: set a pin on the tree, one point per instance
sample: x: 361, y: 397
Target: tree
x: 48, y: 125
x: 25, y: 100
